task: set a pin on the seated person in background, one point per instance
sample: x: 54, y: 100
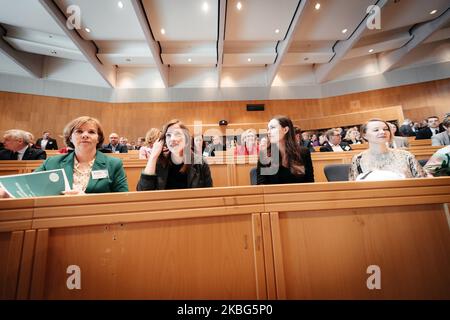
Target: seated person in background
x: 430, y: 130
x: 322, y: 138
x: 439, y: 163
x: 352, y: 136
x: 443, y: 138
x: 379, y: 162
x: 171, y: 163
x: 140, y: 143
x: 215, y: 145
x: 114, y: 146
x: 31, y: 143
x: 46, y: 143
x: 293, y: 162
x: 397, y: 142
x: 151, y: 137
x: 406, y: 129
x: 248, y: 146
x: 315, y: 140
x: 334, y: 142
x: 87, y: 169
x: 199, y: 146
x: 16, y: 143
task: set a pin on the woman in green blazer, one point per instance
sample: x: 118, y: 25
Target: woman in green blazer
x: 87, y: 169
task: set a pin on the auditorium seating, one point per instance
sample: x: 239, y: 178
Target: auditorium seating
x: 298, y: 241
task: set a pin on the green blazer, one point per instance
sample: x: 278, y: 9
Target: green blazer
x: 115, y: 182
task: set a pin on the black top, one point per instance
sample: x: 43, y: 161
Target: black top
x: 175, y: 178
x: 284, y: 174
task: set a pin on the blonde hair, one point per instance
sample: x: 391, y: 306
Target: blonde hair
x: 152, y: 136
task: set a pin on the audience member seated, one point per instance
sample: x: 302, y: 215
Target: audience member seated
x: 114, y: 146
x: 397, y: 142
x: 431, y: 130
x: 248, y: 145
x: 352, y: 136
x: 171, y: 163
x: 283, y: 160
x: 140, y: 143
x: 88, y: 170
x: 406, y: 129
x: 215, y: 145
x: 379, y: 162
x: 439, y: 163
x: 16, y: 147
x: 334, y: 142
x: 315, y: 140
x: 46, y: 143
x: 443, y: 138
x: 151, y: 137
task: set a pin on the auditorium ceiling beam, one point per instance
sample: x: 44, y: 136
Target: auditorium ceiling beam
x: 87, y: 48
x: 31, y: 63
x: 283, y: 46
x: 388, y: 61
x: 341, y: 48
x: 152, y: 43
x: 221, y: 37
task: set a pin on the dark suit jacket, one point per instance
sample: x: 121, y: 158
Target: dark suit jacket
x: 425, y: 134
x: 122, y: 148
x: 51, y: 144
x: 30, y: 154
x: 327, y: 147
x: 116, y: 181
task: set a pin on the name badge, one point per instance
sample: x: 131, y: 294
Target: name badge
x: 99, y: 174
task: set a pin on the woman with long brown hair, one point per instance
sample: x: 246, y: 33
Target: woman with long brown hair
x: 284, y: 160
x: 171, y: 163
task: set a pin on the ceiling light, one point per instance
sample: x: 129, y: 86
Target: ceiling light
x: 87, y: 30
x: 120, y: 4
x: 277, y: 30
x: 249, y: 59
x: 433, y: 12
x: 306, y: 58
x: 205, y: 6
x: 53, y: 52
x: 163, y: 31
x: 317, y: 6
x: 344, y: 30
x: 189, y: 60
x: 371, y: 50
x: 128, y: 59
x: 239, y: 5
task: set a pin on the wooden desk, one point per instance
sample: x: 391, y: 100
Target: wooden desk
x: 312, y: 241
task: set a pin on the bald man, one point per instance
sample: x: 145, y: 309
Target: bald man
x: 114, y: 146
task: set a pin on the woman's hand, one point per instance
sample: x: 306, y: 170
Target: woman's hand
x: 3, y: 193
x: 158, y: 147
x: 72, y: 193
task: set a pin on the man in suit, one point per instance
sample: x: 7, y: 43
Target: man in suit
x: 114, y: 146
x: 17, y: 147
x: 334, y: 143
x: 443, y: 138
x: 46, y: 143
x: 431, y: 129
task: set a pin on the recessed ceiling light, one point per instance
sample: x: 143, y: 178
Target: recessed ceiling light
x: 50, y: 36
x: 371, y: 50
x: 344, y: 30
x: 128, y: 59
x: 87, y: 30
x: 189, y: 60
x: 277, y: 30
x: 53, y: 52
x: 249, y: 59
x: 239, y: 5
x: 120, y: 4
x: 163, y: 31
x: 205, y: 6
x: 433, y: 12
x: 306, y: 58
x: 317, y: 6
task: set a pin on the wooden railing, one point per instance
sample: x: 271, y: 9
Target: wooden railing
x: 307, y: 241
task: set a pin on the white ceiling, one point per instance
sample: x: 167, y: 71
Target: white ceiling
x: 252, y: 46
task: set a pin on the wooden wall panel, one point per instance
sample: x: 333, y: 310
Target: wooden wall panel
x: 38, y: 113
